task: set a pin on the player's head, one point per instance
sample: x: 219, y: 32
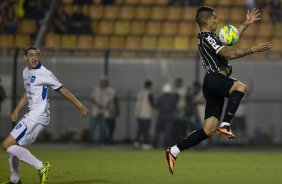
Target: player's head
x: 31, y: 55
x: 206, y: 18
x: 104, y: 82
x: 197, y: 86
x: 148, y: 84
x: 178, y: 83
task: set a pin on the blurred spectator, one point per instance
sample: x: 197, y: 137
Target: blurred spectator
x: 2, y: 96
x: 250, y: 4
x: 144, y: 114
x: 62, y: 21
x: 113, y: 113
x: 275, y: 12
x: 178, y: 130
x: 186, y: 2
x: 80, y: 24
x: 108, y: 2
x: 82, y: 2
x: 260, y: 4
x: 8, y: 16
x: 167, y: 106
x: 103, y: 102
x: 33, y: 10
x: 10, y: 21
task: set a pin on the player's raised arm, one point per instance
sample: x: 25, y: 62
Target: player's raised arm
x: 70, y: 97
x: 20, y: 105
x: 250, y: 18
x: 237, y: 53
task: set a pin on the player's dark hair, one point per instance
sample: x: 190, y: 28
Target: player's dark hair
x: 203, y: 13
x: 31, y: 48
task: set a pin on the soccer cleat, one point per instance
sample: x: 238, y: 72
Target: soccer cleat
x: 9, y: 182
x: 170, y: 160
x: 225, y: 130
x: 43, y: 172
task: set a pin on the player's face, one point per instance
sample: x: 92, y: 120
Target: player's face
x: 32, y: 57
x: 212, y: 22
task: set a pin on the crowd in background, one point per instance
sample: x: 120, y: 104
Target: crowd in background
x: 177, y: 112
x: 12, y: 11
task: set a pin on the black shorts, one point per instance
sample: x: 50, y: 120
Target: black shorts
x: 215, y: 88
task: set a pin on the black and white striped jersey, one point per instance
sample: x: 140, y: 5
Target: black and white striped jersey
x: 209, y: 46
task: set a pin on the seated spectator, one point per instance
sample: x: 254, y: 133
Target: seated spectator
x: 62, y: 22
x: 108, y: 2
x: 80, y: 23
x: 10, y: 21
x: 275, y: 11
x: 8, y: 17
x: 250, y: 4
x: 82, y: 2
x: 186, y: 2
x: 33, y: 10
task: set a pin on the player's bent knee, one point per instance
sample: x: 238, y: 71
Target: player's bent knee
x: 242, y: 88
x: 8, y: 142
x: 5, y: 146
x: 238, y: 86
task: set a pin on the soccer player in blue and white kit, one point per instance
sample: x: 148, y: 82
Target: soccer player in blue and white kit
x: 37, y: 80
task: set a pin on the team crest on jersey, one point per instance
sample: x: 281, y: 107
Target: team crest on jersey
x: 18, y: 126
x: 32, y: 79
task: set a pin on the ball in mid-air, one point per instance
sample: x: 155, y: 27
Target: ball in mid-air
x: 228, y: 35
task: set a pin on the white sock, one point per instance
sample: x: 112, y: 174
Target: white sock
x: 14, y: 168
x: 224, y: 124
x: 174, y: 150
x: 24, y: 155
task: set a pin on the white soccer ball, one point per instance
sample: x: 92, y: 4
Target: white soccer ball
x: 228, y: 35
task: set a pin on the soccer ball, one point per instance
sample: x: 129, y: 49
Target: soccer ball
x: 228, y: 35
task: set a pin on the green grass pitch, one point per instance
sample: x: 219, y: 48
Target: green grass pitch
x: 125, y: 166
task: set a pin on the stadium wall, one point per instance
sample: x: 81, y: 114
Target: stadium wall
x: 80, y: 75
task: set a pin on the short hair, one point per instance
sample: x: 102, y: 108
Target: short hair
x: 31, y: 48
x: 203, y: 13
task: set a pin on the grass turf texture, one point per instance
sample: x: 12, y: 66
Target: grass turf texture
x: 114, y: 166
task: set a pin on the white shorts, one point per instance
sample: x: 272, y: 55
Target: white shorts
x: 27, y: 130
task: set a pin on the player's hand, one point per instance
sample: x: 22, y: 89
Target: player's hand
x: 14, y: 115
x: 83, y: 111
x: 262, y: 47
x: 253, y: 16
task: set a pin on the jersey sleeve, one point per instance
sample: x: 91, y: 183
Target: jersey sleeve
x: 212, y: 43
x: 52, y: 81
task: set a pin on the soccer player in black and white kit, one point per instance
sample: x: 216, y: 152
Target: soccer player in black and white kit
x: 216, y: 85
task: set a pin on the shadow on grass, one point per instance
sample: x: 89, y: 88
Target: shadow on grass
x: 89, y: 181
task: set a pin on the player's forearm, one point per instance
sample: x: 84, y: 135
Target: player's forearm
x: 238, y: 53
x: 243, y: 27
x: 70, y: 97
x: 21, y: 103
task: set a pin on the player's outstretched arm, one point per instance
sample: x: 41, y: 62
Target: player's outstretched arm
x: 70, y: 97
x: 250, y: 18
x: 238, y: 53
x: 20, y: 105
